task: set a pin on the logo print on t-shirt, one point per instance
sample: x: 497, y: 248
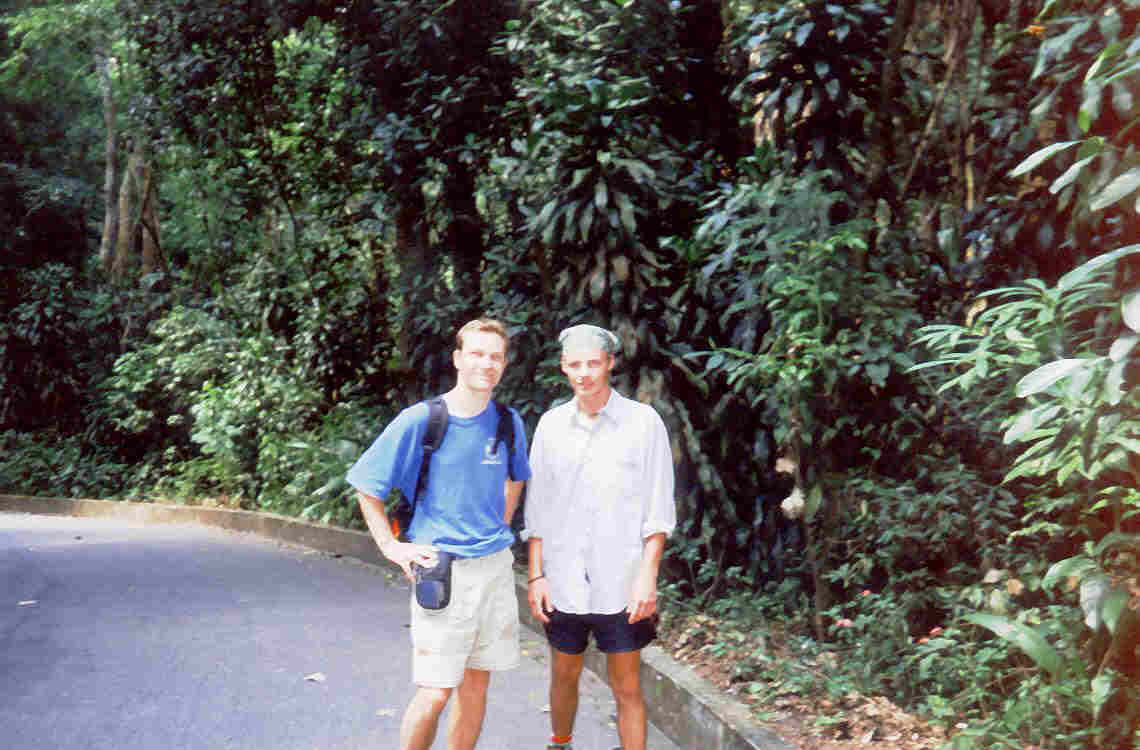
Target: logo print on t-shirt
x: 491, y: 454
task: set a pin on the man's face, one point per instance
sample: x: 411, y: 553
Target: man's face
x: 481, y: 361
x: 588, y: 371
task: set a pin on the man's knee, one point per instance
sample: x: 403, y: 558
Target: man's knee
x: 566, y: 668
x: 625, y: 677
x: 475, y: 684
x: 627, y: 690
x: 429, y: 701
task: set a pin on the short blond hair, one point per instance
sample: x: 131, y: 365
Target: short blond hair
x: 484, y: 325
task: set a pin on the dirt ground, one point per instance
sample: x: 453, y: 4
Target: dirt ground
x: 804, y: 722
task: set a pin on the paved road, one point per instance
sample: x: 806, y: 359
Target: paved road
x: 172, y: 637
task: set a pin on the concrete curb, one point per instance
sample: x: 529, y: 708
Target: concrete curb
x: 683, y: 705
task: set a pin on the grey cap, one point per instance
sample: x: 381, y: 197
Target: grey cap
x: 585, y: 336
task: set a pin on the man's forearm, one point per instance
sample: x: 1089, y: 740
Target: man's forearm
x: 651, y: 554
x: 373, y: 510
x: 512, y: 491
x: 534, y: 557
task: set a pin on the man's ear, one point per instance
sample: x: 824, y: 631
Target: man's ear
x: 455, y: 354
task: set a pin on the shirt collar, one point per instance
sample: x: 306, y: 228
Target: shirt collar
x: 611, y: 411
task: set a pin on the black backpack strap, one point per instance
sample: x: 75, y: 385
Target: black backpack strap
x: 433, y: 438
x: 505, y: 433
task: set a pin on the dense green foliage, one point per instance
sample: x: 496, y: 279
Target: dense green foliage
x: 877, y: 258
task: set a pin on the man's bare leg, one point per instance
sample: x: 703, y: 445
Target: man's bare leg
x: 417, y: 731
x: 466, y: 721
x: 565, y: 670
x: 625, y: 682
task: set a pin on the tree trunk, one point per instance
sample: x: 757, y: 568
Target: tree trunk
x: 465, y: 241
x: 417, y: 278
x: 884, y: 128
x: 109, y: 240
x: 152, y: 256
x: 412, y: 242
x: 126, y: 233
x: 956, y: 49
x: 1119, y: 716
x: 137, y: 215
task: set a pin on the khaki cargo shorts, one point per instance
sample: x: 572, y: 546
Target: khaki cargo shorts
x: 479, y: 628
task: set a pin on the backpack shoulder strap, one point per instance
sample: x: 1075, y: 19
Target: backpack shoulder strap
x: 505, y: 433
x: 433, y: 438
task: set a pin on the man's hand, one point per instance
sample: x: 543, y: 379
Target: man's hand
x: 406, y: 553
x: 643, y: 600
x: 538, y: 595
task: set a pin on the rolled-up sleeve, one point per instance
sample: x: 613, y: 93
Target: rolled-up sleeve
x: 661, y: 508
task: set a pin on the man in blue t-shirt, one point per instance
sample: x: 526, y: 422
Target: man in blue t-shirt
x: 465, y: 510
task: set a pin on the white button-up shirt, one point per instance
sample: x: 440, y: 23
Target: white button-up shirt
x: 599, y: 488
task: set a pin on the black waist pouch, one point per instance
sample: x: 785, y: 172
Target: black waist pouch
x: 433, y: 585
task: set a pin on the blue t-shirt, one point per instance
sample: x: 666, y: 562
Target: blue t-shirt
x: 462, y: 510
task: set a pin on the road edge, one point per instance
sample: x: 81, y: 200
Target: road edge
x: 683, y: 705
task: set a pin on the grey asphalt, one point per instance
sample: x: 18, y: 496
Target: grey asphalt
x: 171, y: 637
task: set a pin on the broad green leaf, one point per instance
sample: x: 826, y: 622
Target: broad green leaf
x: 1125, y: 70
x: 1130, y: 310
x: 1076, y: 386
x: 1066, y: 470
x: 586, y: 221
x: 1030, y: 420
x: 544, y: 215
x: 601, y: 195
x: 1122, y: 346
x: 551, y: 226
x: 1088, y: 269
x: 1069, y: 175
x: 1123, y: 99
x: 1106, y: 54
x: 1026, y: 468
x: 793, y: 101
x: 1117, y: 189
x: 625, y: 206
x: 1094, y: 146
x: 1116, y: 539
x: 1094, y: 591
x: 329, y: 486
x: 569, y: 222
x: 579, y: 175
x: 1114, y: 382
x: 1101, y: 690
x: 1090, y: 110
x: 1131, y: 444
x: 638, y: 170
x: 1071, y: 567
x: 346, y: 450
x: 1022, y: 425
x: 803, y: 32
x: 1025, y: 638
x: 1037, y: 157
x: 1046, y: 375
x: 812, y: 502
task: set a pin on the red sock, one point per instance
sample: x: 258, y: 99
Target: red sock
x: 556, y: 740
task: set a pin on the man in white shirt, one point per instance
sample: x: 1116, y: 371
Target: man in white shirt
x: 599, y: 508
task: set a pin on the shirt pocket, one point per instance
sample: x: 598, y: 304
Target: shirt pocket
x: 623, y: 471
x: 624, y: 482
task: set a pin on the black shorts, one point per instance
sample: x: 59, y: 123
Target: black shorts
x: 613, y: 633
